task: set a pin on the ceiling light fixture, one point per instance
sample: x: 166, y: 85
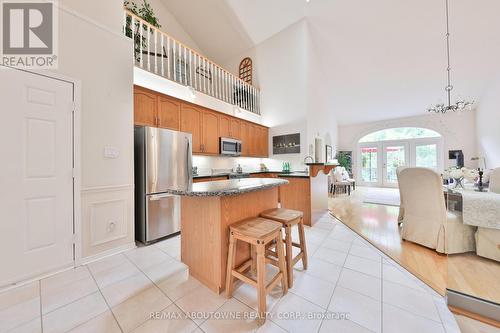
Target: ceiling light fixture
x: 460, y: 104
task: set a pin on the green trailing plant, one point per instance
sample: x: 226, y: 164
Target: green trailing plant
x: 145, y: 12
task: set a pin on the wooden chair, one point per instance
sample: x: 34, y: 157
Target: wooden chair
x: 258, y: 232
x: 289, y: 218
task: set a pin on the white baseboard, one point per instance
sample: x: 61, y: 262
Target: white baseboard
x: 108, y: 253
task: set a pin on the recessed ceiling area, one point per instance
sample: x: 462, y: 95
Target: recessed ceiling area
x: 379, y: 59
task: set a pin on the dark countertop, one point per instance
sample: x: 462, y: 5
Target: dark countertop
x: 229, y: 187
x: 295, y: 175
x: 280, y: 174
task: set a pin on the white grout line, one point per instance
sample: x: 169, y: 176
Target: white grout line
x: 104, y: 298
x: 40, y: 301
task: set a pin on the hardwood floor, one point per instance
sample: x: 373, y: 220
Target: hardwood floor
x: 466, y: 273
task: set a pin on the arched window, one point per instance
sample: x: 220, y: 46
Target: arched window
x: 246, y: 70
x: 400, y: 133
x: 380, y: 153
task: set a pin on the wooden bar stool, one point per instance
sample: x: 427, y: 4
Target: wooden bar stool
x: 289, y: 218
x: 258, y: 232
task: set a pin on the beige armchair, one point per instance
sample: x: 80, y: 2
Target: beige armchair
x: 487, y: 239
x: 401, y: 208
x: 426, y: 220
x: 495, y: 180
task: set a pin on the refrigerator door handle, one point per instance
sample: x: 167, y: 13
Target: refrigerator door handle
x: 156, y: 197
x: 189, y: 163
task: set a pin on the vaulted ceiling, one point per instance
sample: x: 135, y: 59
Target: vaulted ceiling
x: 380, y: 59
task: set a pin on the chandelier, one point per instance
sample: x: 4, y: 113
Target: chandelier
x: 460, y: 104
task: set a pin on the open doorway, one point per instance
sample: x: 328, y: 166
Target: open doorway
x: 380, y: 153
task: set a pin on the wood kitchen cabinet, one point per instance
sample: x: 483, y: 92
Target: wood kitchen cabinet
x: 245, y: 138
x: 253, y: 136
x: 191, y: 120
x: 210, y: 133
x: 206, y: 126
x: 169, y: 113
x: 224, y: 126
x: 263, y: 141
x: 229, y: 127
x: 144, y: 107
x: 235, y: 127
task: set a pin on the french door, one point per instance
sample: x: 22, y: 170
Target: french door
x: 378, y: 161
x: 394, y: 155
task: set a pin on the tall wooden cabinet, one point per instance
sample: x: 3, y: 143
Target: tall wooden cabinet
x: 206, y: 126
x: 169, y: 113
x: 155, y: 110
x: 229, y: 127
x: 210, y: 133
x: 144, y: 107
x: 191, y: 120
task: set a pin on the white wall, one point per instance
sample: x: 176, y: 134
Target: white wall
x: 170, y: 25
x: 293, y: 99
x: 93, y: 50
x: 458, y: 131
x: 488, y: 125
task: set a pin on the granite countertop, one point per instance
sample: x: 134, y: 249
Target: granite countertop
x: 229, y: 187
x: 295, y: 174
x: 280, y: 174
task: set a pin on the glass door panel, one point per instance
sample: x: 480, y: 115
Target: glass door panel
x: 395, y: 155
x: 426, y: 156
x: 369, y: 164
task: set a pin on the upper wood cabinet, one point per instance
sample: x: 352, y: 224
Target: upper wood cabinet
x: 235, y: 127
x: 254, y: 140
x: 224, y: 126
x: 229, y: 127
x: 144, y: 107
x: 245, y: 138
x: 263, y: 141
x: 206, y: 126
x: 210, y: 132
x: 191, y: 120
x: 169, y: 113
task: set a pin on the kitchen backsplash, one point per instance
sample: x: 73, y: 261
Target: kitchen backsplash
x: 205, y: 164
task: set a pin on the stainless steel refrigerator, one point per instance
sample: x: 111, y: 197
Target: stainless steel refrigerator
x: 163, y: 160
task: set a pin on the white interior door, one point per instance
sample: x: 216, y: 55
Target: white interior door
x: 395, y: 154
x: 36, y: 170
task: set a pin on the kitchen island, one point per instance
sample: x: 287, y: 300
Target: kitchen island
x: 207, y: 211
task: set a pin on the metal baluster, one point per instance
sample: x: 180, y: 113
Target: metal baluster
x: 195, y: 74
x: 162, y: 59
x: 174, y: 51
x: 191, y: 68
x: 156, y: 50
x: 141, y: 60
x: 205, y: 76
x: 216, y: 78
x: 149, y: 48
x: 223, y: 76
x: 168, y: 58
x: 185, y: 67
x: 132, y: 29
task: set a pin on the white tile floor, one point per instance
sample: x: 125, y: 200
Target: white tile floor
x: 120, y: 294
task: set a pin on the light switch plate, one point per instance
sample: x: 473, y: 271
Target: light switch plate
x: 111, y: 152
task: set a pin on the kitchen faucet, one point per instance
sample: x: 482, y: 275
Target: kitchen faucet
x: 312, y: 159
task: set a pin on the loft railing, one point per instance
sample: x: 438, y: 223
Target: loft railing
x: 161, y: 54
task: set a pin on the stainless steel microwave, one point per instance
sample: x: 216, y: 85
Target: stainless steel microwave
x: 230, y: 147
